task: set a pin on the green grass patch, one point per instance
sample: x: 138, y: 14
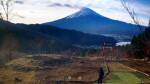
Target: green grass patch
x: 143, y: 77
x: 122, y: 75
x: 123, y: 78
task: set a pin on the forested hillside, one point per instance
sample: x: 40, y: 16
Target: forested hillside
x: 47, y: 39
x: 141, y: 45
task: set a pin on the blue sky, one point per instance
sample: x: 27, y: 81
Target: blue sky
x: 40, y: 11
x: 146, y: 2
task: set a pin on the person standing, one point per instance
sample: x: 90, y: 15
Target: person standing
x: 101, y: 75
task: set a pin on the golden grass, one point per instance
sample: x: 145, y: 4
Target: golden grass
x: 24, y: 62
x: 81, y: 69
x: 9, y: 77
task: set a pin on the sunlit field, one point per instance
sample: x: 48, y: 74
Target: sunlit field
x: 122, y: 74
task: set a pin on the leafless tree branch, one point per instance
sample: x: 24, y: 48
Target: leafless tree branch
x: 6, y: 7
x: 131, y: 12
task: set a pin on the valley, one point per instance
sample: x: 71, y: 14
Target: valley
x: 74, y: 42
x: 53, y: 68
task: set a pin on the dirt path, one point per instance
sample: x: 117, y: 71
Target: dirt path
x: 135, y: 70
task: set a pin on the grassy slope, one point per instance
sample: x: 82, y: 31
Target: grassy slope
x: 123, y: 75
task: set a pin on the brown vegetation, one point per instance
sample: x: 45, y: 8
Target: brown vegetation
x: 29, y: 70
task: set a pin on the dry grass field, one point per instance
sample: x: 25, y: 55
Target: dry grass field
x: 144, y: 66
x: 53, y: 69
x: 50, y: 69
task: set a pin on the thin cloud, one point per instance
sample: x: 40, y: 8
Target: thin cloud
x: 19, y: 2
x: 65, y: 5
x: 55, y: 4
x: 52, y: 9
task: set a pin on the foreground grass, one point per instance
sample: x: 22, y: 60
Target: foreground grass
x: 49, y: 70
x: 43, y: 70
x: 123, y: 75
x: 8, y: 76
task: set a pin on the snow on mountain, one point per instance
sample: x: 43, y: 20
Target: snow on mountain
x: 82, y: 12
x: 88, y: 21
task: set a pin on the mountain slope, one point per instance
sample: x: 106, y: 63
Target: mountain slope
x: 23, y: 39
x: 48, y: 38
x: 88, y: 21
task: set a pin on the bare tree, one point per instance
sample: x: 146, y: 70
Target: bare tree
x: 133, y: 15
x: 149, y: 24
x: 131, y: 12
x: 6, y: 7
x: 1, y: 17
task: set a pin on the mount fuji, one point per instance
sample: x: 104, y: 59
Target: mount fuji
x: 88, y: 21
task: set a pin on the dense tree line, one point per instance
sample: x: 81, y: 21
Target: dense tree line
x: 141, y: 45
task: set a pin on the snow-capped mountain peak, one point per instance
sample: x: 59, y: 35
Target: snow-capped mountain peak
x: 83, y: 12
x: 88, y: 21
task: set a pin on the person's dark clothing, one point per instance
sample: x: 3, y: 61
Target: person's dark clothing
x: 101, y: 75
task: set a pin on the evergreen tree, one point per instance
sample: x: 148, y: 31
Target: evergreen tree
x: 141, y: 44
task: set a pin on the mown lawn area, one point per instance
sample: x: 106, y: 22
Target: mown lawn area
x: 121, y: 74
